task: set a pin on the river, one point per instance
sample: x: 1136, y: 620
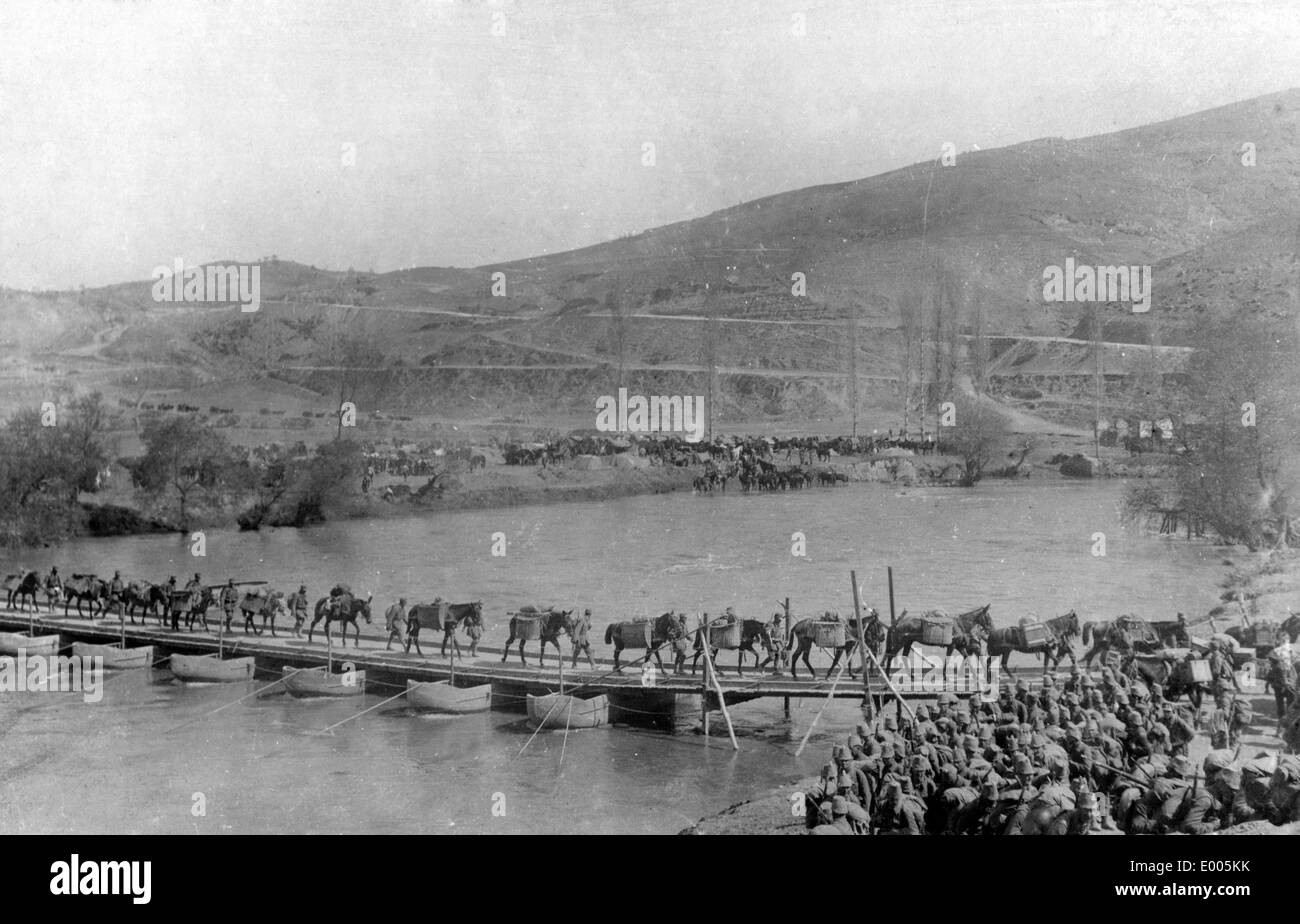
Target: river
x: 152, y: 753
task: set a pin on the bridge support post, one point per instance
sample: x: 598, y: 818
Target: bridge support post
x: 786, y: 702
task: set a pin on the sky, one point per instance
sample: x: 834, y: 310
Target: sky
x: 389, y: 134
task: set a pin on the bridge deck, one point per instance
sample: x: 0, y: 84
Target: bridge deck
x: 393, y: 668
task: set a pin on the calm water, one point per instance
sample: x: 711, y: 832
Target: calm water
x: 129, y: 763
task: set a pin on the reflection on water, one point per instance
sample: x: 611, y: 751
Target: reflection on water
x: 131, y: 763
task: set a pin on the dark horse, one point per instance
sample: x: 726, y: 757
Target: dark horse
x: 1164, y: 671
x: 805, y: 632
x: 1143, y: 635
x: 85, y: 587
x: 23, y: 586
x: 331, y: 610
x: 663, y: 629
x: 430, y: 616
x: 968, y: 633
x: 553, y: 623
x: 1061, y: 630
x: 751, y: 630
x: 149, y: 599
x: 268, y: 606
x: 194, y: 605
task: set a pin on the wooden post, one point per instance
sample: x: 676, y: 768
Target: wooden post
x: 893, y: 621
x: 892, y: 618
x: 711, y: 674
x: 862, y: 636
x: 704, y: 689
x: 785, y: 654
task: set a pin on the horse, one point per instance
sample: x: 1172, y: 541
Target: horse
x: 1061, y: 629
x: 266, y: 605
x: 20, y: 587
x: 85, y: 587
x: 1163, y: 671
x: 1143, y: 636
x: 553, y: 623
x: 330, y: 609
x: 751, y: 630
x: 150, y: 599
x: 970, y: 629
x: 430, y: 616
x: 195, y: 606
x: 477, y: 461
x: 663, y: 629
x: 806, y: 633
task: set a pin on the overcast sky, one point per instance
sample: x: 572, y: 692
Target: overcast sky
x: 132, y: 133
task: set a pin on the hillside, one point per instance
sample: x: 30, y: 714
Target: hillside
x: 963, y: 246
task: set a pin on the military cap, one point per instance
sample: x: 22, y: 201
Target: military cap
x: 891, y: 723
x: 855, y: 742
x: 839, y: 806
x: 947, y: 698
x: 922, y: 713
x: 970, y: 743
x: 1218, y: 760
x: 1022, y: 764
x: 1180, y: 765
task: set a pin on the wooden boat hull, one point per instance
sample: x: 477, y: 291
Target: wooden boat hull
x: 115, y: 656
x: 558, y: 710
x: 10, y: 642
x: 314, y: 681
x: 211, y: 669
x: 441, y: 696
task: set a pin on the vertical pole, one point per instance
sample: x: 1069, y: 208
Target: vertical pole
x: 892, y: 618
x: 704, y: 689
x: 862, y: 636
x: 785, y: 651
x: 893, y: 622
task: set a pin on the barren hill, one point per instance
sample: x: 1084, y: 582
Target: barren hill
x: 960, y: 247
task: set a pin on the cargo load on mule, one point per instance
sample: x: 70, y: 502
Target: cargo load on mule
x: 725, y: 636
x: 936, y: 629
x: 1036, y: 635
x: 829, y: 633
x: 636, y: 634
x: 528, y: 622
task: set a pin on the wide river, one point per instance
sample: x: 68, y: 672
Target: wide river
x: 152, y: 753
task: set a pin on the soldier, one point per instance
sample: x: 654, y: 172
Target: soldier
x: 53, y: 586
x: 1221, y: 673
x: 1284, y: 793
x: 115, y: 590
x: 229, y: 600
x: 173, y: 603
x: 395, y: 623
x: 578, y: 633
x: 298, y: 607
x: 1281, y: 678
x: 900, y: 812
x: 822, y: 791
x: 1219, y: 726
